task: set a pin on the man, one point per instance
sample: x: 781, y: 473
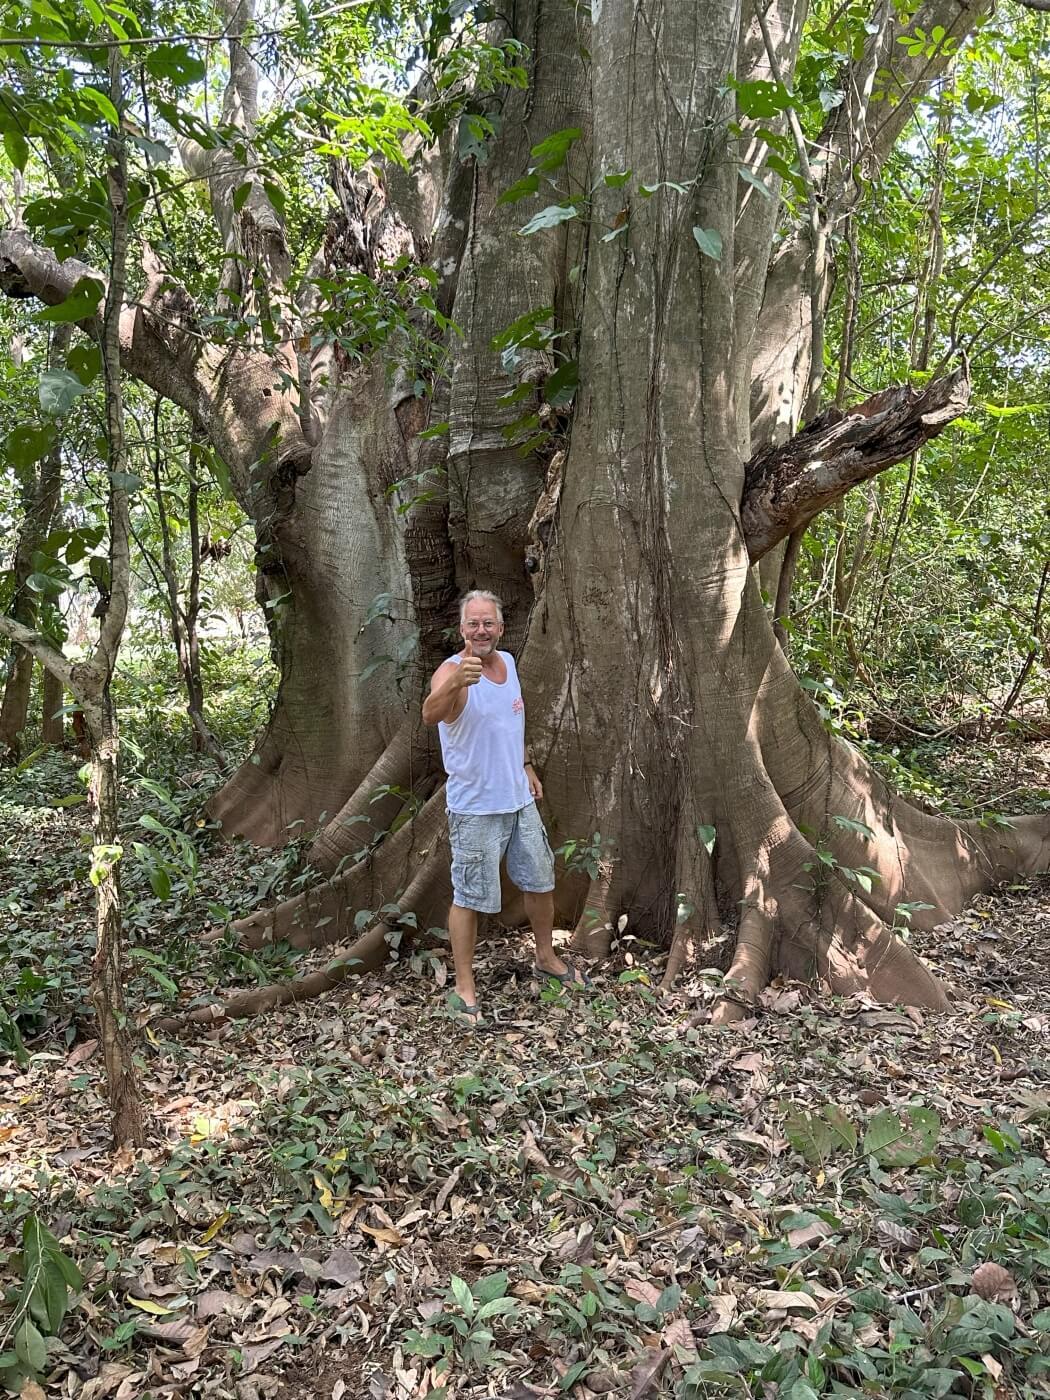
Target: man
x: 492, y: 791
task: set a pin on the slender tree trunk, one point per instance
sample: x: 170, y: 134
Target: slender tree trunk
x: 41, y: 509
x: 52, y: 725
x: 107, y: 970
x: 183, y: 620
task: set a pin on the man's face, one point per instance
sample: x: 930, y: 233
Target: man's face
x: 481, y: 627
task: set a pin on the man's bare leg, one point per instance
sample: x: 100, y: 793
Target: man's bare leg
x: 540, y: 909
x: 463, y: 933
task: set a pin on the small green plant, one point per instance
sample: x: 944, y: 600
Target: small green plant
x: 590, y: 858
x: 49, y: 1279
x: 827, y: 862
x: 458, y: 1326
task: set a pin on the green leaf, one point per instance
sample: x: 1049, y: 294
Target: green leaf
x: 808, y: 1135
x: 497, y: 1307
x: 45, y: 583
x: 551, y: 152
x: 760, y: 98
x: 521, y: 189
x: 160, y: 882
x: 491, y: 1287
x: 125, y: 481
x: 756, y: 181
x: 240, y: 196
x: 858, y: 828
x: 85, y: 361
x: 26, y: 445
x: 706, y: 836
x: 1011, y: 412
x: 17, y: 147
x: 276, y: 196
x: 435, y: 430
x: 843, y: 1133
x: 526, y: 330
x: 902, y: 1141
x: 177, y: 63
x: 801, y: 1390
x: 374, y: 666
x: 216, y: 466
x: 463, y: 1296
x: 82, y: 302
x: 648, y: 190
x: 101, y: 104
x: 551, y: 217
x: 59, y: 390
x: 30, y: 1346
x: 618, y: 180
x: 709, y: 241
x: 560, y: 389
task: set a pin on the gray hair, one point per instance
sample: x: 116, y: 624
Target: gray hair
x: 480, y: 595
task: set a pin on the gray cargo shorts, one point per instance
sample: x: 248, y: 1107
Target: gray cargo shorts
x: 479, y: 843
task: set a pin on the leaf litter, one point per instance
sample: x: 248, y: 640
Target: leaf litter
x: 603, y: 1196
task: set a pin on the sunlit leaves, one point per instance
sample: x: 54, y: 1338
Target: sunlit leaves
x: 709, y: 241
x: 81, y: 303
x: 551, y: 217
x: 59, y: 389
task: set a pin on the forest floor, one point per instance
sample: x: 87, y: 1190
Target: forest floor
x: 599, y: 1195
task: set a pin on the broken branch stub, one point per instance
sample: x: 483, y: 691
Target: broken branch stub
x: 787, y: 485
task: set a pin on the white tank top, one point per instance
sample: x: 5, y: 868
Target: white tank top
x: 484, y: 750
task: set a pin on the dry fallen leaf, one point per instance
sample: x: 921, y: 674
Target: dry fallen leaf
x: 993, y: 1283
x: 679, y: 1334
x: 384, y: 1235
x: 720, y: 1318
x: 641, y: 1291
x: 809, y: 1234
x: 602, y: 1381
x: 646, y: 1372
x: 784, y: 1300
x: 893, y: 1235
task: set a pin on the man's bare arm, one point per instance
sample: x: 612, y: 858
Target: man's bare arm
x: 447, y: 695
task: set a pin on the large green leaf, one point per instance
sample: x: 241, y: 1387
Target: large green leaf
x: 26, y: 445
x: 709, y: 241
x: 528, y: 184
x: 175, y: 62
x: 30, y: 1346
x: 81, y: 303
x: 550, y: 153
x: 808, y: 1135
x: 59, y: 390
x: 551, y: 217
x: 902, y: 1140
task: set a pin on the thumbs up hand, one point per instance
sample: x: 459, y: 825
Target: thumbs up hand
x: 469, y: 666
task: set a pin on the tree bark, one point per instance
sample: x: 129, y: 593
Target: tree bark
x: 107, y: 971
x: 52, y: 725
x: 41, y: 509
x: 182, y: 620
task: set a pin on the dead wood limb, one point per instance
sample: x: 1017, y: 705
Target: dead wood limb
x: 428, y: 890
x: 786, y: 486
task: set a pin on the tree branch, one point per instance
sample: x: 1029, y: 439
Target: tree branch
x: 786, y: 486
x: 38, y: 646
x: 257, y: 264
x: 234, y: 395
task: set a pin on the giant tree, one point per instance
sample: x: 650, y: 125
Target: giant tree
x: 558, y: 343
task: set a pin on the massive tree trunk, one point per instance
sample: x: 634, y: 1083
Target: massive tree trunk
x: 664, y: 713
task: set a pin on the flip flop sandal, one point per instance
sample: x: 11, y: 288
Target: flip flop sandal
x: 468, y: 1016
x: 571, y: 977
